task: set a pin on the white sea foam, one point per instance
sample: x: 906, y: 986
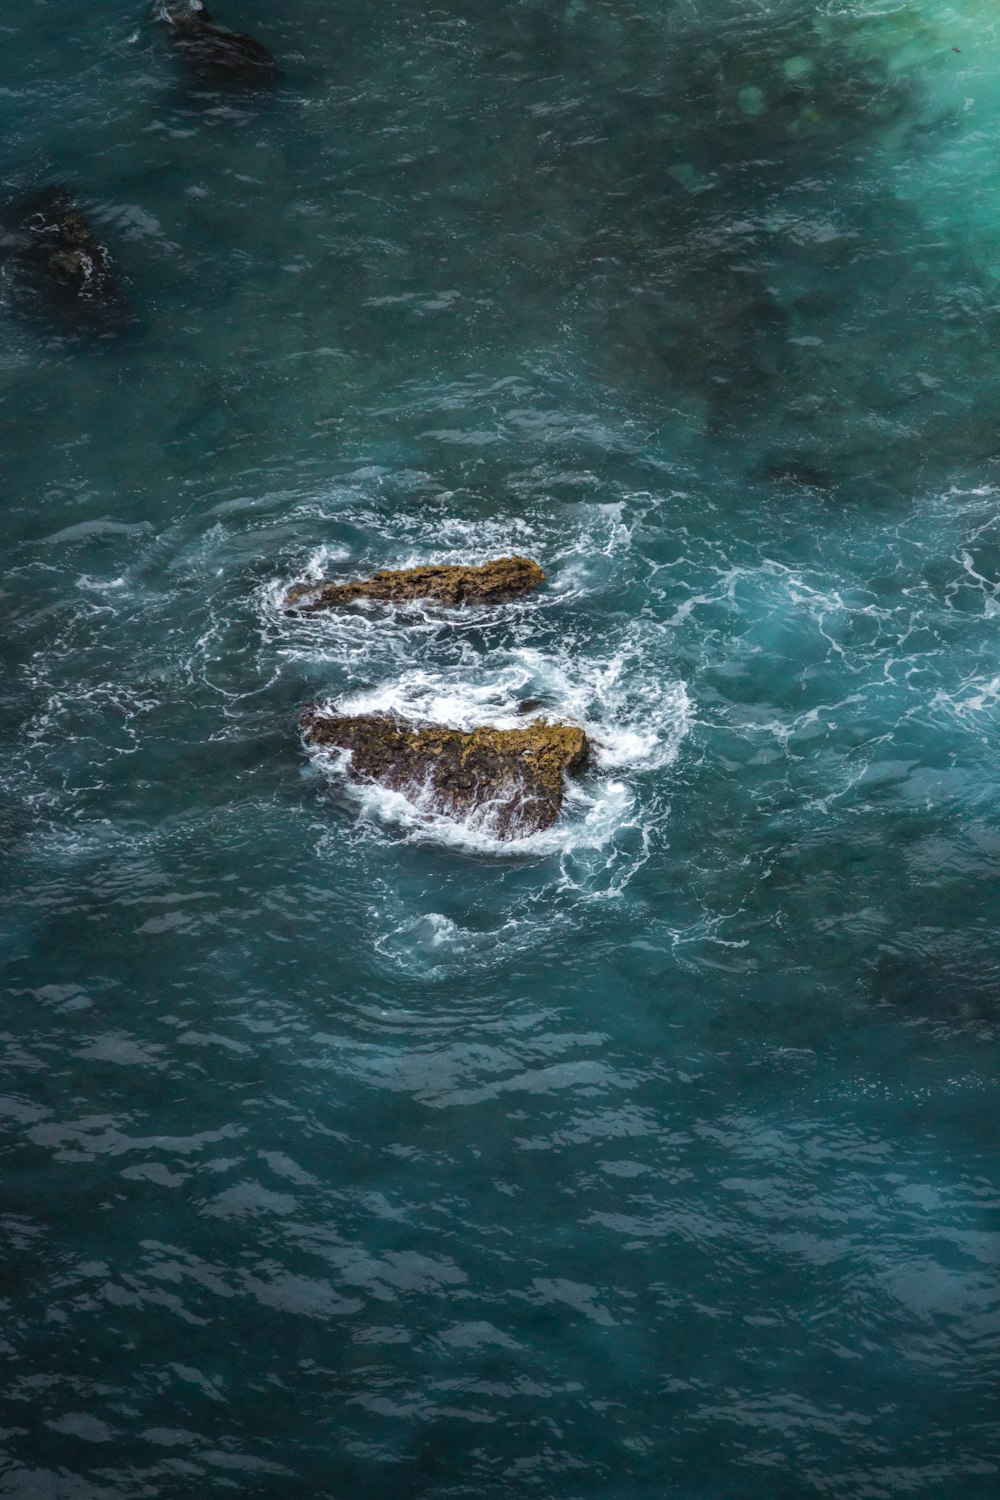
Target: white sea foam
x: 634, y: 724
x: 477, y: 666
x: 430, y: 945
x: 574, y: 564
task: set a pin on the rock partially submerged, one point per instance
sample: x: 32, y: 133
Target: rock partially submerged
x: 511, y: 779
x: 455, y: 584
x: 212, y: 51
x: 57, y: 267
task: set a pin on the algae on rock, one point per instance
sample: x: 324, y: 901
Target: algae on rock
x: 446, y: 583
x: 512, y: 779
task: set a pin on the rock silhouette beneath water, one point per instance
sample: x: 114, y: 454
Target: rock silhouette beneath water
x: 791, y: 471
x: 511, y: 781
x: 56, y: 266
x: 492, y: 583
x: 214, y: 52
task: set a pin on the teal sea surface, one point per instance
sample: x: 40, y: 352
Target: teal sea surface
x: 345, y: 1151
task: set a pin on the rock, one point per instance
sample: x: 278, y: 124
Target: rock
x: 57, y: 266
x: 226, y: 56
x: 513, y: 778
x: 792, y: 471
x: 492, y: 583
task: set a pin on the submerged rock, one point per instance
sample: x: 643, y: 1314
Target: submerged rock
x: 790, y: 471
x: 211, y: 50
x: 796, y: 473
x: 511, y: 778
x: 57, y: 266
x: 492, y: 583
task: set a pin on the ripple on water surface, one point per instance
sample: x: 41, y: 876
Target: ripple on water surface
x: 345, y: 1150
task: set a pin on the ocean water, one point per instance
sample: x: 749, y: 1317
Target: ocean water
x: 346, y: 1152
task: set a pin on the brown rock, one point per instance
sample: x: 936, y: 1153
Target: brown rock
x: 455, y: 584
x: 515, y: 776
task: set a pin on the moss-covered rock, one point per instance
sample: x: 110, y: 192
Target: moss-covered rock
x: 455, y: 584
x: 513, y: 779
x: 214, y: 52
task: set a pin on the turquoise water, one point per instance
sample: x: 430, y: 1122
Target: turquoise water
x: 347, y: 1153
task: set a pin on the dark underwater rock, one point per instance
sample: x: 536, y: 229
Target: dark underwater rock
x: 514, y: 777
x: 212, y: 51
x: 57, y: 267
x: 493, y: 583
x: 792, y: 471
x: 704, y: 325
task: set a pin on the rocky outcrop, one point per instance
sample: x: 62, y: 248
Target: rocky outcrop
x: 213, y: 52
x: 57, y: 267
x: 493, y: 583
x: 512, y: 780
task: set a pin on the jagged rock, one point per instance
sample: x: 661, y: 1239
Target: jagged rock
x: 492, y: 583
x: 57, y: 266
x: 513, y: 778
x: 213, y: 51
